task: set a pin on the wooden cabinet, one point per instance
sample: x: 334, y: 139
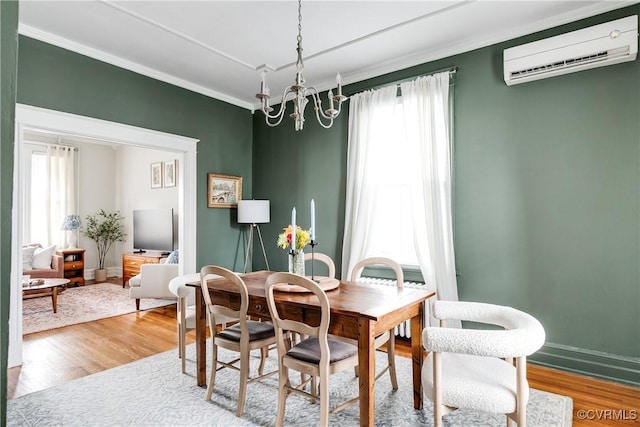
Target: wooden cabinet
x: 131, y: 263
x: 73, y: 266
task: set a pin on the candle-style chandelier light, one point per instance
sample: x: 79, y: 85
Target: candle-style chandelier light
x: 300, y: 94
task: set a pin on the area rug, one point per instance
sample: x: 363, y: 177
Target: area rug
x: 80, y: 305
x: 154, y: 392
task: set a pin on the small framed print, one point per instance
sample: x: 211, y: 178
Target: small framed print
x: 224, y: 191
x: 156, y: 175
x: 170, y: 172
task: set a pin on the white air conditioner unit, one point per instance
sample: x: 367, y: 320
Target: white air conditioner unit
x: 604, y: 44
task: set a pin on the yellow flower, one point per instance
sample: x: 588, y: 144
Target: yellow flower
x: 302, y: 238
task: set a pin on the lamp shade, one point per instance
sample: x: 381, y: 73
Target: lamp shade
x: 253, y: 211
x: 71, y: 222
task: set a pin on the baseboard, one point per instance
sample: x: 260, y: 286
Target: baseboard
x: 606, y: 366
x: 111, y: 272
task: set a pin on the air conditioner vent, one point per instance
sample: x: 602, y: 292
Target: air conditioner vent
x: 572, y: 62
x: 604, y: 44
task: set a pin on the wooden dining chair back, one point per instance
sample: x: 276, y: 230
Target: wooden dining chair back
x: 325, y: 259
x: 317, y: 355
x: 243, y: 337
x: 356, y: 273
x: 388, y: 337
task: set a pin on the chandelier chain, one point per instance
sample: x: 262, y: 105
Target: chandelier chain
x: 300, y: 22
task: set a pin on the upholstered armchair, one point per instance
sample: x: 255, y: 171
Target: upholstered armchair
x: 153, y: 282
x: 474, y: 368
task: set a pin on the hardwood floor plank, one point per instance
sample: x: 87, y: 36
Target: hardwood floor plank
x: 57, y: 356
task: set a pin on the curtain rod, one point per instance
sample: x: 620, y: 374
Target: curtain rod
x: 452, y: 72
x: 49, y: 144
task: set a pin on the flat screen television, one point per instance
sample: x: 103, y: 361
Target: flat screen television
x: 153, y: 230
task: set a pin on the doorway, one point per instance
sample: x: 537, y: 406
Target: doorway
x: 34, y: 118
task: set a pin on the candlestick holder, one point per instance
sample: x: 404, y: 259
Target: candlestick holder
x: 313, y: 244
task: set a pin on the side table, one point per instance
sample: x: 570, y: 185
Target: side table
x: 73, y: 265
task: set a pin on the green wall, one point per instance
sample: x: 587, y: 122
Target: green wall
x: 59, y: 79
x: 8, y: 73
x: 547, y: 195
x: 290, y: 169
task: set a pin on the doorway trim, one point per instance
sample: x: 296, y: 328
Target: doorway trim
x: 36, y: 118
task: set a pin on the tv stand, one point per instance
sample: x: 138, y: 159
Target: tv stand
x: 132, y: 261
x: 139, y: 251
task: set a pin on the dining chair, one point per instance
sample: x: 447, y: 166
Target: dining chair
x: 388, y: 337
x: 325, y: 259
x: 318, y: 355
x: 473, y: 368
x: 186, y: 311
x: 243, y: 337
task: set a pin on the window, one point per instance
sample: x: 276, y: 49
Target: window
x: 398, y: 201
x: 391, y: 228
x: 50, y: 187
x: 36, y: 229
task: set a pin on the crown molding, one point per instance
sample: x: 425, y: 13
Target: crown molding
x: 67, y: 44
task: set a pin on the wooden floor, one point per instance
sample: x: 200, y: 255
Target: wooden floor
x: 57, y: 356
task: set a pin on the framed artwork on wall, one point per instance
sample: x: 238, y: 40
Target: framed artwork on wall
x: 170, y: 173
x: 156, y: 175
x: 223, y: 191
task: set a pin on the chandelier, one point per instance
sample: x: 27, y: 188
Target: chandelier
x: 300, y: 93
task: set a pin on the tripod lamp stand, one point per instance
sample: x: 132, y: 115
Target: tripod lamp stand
x: 254, y: 212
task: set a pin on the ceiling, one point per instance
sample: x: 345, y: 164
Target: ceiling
x: 218, y: 48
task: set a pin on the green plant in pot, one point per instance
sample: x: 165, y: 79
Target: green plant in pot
x: 105, y: 228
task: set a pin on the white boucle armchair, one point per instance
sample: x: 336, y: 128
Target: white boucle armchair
x: 473, y: 368
x: 152, y: 282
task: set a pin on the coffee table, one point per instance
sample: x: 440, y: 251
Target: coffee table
x: 49, y: 287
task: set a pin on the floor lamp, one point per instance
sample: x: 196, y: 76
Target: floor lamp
x: 254, y: 212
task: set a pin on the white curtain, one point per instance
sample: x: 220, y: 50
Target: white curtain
x: 61, y: 191
x: 426, y: 106
x: 425, y: 102
x: 366, y: 111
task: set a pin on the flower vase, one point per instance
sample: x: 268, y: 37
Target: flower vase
x: 296, y: 263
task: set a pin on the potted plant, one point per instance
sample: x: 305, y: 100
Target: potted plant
x: 105, y: 229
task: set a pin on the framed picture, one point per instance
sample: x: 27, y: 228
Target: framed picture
x: 224, y: 191
x: 170, y: 172
x: 156, y: 175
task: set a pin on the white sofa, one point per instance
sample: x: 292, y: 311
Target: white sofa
x: 152, y: 282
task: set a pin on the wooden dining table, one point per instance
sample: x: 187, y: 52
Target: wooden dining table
x: 358, y: 311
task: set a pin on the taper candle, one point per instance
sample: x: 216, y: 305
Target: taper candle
x: 313, y: 220
x: 293, y: 228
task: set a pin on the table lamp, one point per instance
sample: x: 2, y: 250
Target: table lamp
x: 254, y: 212
x: 71, y: 223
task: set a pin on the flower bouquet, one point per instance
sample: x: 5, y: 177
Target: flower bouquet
x: 296, y: 258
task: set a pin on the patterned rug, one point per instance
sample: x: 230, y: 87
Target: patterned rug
x: 153, y: 392
x: 80, y: 305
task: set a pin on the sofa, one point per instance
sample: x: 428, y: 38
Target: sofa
x: 42, y: 263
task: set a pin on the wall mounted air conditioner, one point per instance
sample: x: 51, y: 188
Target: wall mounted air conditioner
x: 604, y: 44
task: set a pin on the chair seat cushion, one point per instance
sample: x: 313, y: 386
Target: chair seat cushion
x: 309, y: 350
x: 475, y: 382
x: 257, y: 331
